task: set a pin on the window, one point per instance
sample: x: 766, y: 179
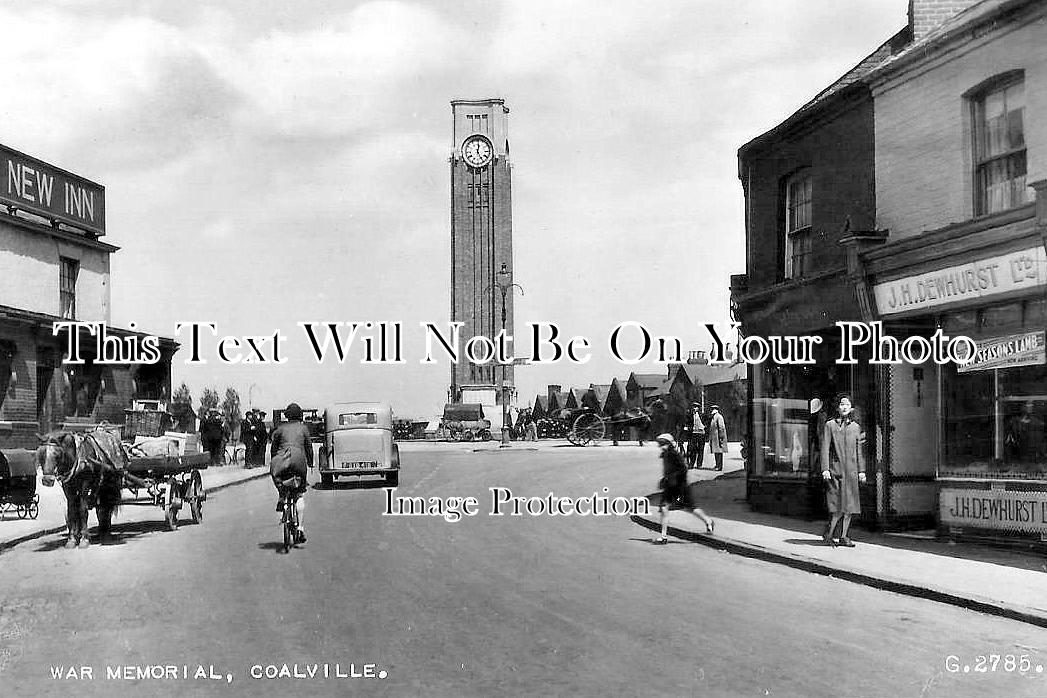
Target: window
x: 70, y: 269
x: 999, y: 147
x: 357, y: 419
x: 797, y: 225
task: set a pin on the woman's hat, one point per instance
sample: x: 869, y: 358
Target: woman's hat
x: 665, y: 439
x: 293, y: 412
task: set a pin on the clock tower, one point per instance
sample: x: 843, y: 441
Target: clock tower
x: 481, y: 246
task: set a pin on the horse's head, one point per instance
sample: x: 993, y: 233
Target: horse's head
x: 56, y: 457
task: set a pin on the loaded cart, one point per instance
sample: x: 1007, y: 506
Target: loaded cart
x: 18, y: 483
x: 171, y: 481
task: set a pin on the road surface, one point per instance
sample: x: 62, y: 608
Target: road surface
x: 487, y: 605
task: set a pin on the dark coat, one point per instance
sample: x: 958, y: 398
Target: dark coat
x: 842, y: 456
x: 291, y: 448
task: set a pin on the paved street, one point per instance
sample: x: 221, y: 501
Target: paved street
x: 553, y: 605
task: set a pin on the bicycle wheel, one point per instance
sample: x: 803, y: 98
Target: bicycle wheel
x: 288, y: 525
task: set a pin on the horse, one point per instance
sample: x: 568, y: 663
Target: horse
x: 89, y: 478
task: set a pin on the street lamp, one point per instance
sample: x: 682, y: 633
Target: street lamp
x: 504, y: 281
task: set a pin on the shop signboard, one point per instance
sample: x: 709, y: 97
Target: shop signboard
x: 1015, y: 271
x: 45, y: 190
x: 1029, y: 349
x: 993, y: 509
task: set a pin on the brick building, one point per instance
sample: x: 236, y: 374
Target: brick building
x: 907, y: 193
x: 54, y: 267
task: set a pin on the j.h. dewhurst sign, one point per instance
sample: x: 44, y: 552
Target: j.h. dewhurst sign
x: 995, y: 509
x: 382, y: 343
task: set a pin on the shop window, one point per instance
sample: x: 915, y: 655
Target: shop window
x: 994, y: 416
x: 68, y: 271
x: 998, y: 112
x: 789, y: 409
x: 797, y: 225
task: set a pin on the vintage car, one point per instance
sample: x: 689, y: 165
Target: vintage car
x: 311, y: 418
x: 358, y: 441
x: 465, y: 422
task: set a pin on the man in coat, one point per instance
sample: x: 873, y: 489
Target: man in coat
x: 212, y: 435
x: 843, y: 469
x: 696, y: 438
x: 717, y: 436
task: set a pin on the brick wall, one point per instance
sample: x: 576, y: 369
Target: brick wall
x: 927, y: 15
x: 924, y: 167
x: 840, y: 155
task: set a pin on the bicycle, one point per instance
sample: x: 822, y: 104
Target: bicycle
x: 289, y: 519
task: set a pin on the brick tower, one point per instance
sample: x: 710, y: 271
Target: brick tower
x: 481, y: 242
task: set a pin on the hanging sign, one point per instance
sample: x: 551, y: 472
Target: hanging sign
x: 1029, y: 349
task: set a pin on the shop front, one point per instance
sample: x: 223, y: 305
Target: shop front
x: 968, y: 442
x: 790, y: 403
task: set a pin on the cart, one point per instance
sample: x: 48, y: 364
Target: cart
x: 172, y: 482
x: 587, y: 426
x: 18, y: 484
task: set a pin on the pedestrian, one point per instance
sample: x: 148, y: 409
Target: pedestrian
x: 212, y: 435
x: 261, y: 437
x: 843, y: 469
x: 531, y: 429
x: 247, y: 437
x: 717, y: 436
x: 675, y: 492
x: 696, y: 440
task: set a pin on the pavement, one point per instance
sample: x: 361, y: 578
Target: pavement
x: 1000, y: 582
x: 1003, y: 582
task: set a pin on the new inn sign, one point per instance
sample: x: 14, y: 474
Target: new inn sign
x: 45, y: 190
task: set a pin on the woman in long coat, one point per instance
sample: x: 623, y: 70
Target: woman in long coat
x: 843, y: 469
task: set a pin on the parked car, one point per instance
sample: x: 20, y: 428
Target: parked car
x: 358, y: 441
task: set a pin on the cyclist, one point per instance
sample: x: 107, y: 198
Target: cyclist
x: 291, y: 453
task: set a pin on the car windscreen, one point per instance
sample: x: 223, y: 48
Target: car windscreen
x: 348, y: 419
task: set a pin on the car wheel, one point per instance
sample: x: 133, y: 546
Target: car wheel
x: 327, y: 480
x: 392, y: 480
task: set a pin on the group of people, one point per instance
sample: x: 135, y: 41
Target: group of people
x: 254, y: 435
x: 842, y: 463
x: 697, y: 434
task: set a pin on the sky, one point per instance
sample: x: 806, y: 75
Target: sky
x: 273, y: 163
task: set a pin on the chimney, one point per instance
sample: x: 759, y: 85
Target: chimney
x: 927, y: 15
x: 550, y: 389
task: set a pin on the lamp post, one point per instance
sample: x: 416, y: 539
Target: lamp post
x: 504, y: 281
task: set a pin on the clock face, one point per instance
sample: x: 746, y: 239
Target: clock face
x: 477, y: 151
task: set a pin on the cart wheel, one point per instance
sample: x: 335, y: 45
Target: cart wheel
x: 23, y: 510
x: 33, y: 509
x: 172, y: 503
x: 586, y: 429
x: 196, y: 498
